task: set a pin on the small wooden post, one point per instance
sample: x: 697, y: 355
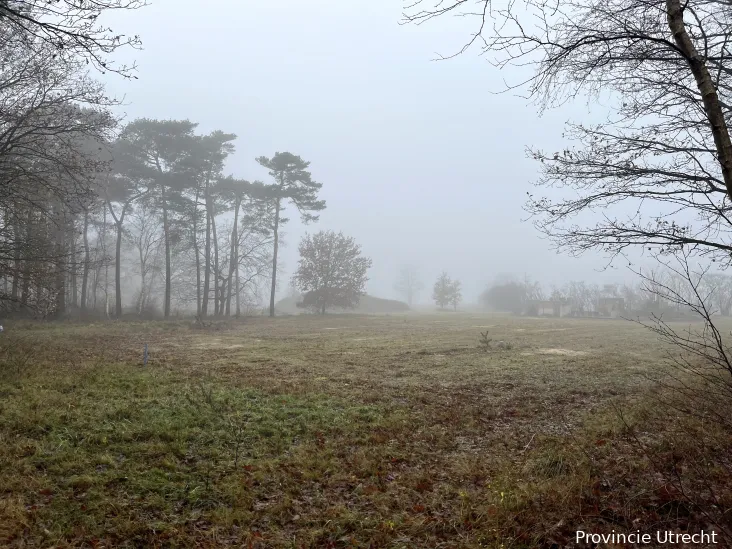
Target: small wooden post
x: 144, y: 356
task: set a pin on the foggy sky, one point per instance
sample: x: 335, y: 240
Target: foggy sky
x: 421, y: 161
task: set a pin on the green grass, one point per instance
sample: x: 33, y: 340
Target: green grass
x: 315, y: 432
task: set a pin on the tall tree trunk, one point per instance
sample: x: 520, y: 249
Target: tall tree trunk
x: 95, y: 286
x: 61, y: 264
x: 705, y: 84
x: 141, y: 299
x: 166, y: 237
x: 222, y: 296
x: 85, y: 272
x: 16, y: 259
x: 25, y: 291
x: 238, y: 291
x: 197, y: 252
x: 234, y: 253
x: 73, y: 277
x: 207, y: 255
x: 106, y: 266
x: 274, y: 259
x: 118, y: 258
x: 118, y: 271
x: 215, y: 263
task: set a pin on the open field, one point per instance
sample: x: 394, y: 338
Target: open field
x: 342, y: 431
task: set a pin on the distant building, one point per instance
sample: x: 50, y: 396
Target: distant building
x: 547, y: 308
x: 611, y: 306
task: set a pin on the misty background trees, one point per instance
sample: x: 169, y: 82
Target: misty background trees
x: 409, y: 284
x: 92, y: 210
x: 447, y: 292
x: 151, y: 204
x: 69, y: 163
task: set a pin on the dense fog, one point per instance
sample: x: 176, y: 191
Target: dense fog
x: 423, y: 162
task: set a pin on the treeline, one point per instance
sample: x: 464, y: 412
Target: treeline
x: 95, y: 216
x: 658, y: 292
x: 91, y: 211
x: 152, y: 205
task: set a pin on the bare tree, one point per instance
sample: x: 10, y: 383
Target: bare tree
x: 664, y: 150
x: 71, y: 29
x: 409, y: 284
x: 144, y: 233
x: 580, y: 296
x: 718, y: 288
x: 655, y: 176
x: 53, y: 122
x: 633, y: 297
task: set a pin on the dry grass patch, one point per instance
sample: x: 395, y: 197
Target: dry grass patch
x: 388, y: 432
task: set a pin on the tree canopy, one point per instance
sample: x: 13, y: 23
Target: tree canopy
x: 331, y: 271
x: 293, y: 183
x: 447, y: 291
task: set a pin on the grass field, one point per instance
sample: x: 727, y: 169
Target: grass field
x: 341, y: 431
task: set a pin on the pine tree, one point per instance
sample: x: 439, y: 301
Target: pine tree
x: 293, y: 183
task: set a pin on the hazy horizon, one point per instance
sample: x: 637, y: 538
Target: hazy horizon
x: 421, y: 161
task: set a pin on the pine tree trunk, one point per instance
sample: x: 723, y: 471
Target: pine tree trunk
x: 216, y: 288
x: 238, y: 290
x: 197, y: 251
x: 143, y: 289
x: 166, y: 237
x: 207, y: 256
x: 106, y: 266
x: 274, y: 259
x: 234, y: 253
x: 118, y: 261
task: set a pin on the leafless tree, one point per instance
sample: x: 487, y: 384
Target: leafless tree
x: 655, y: 176
x: 144, y: 233
x: 718, y: 287
x: 409, y: 284
x: 54, y: 122
x: 664, y: 151
x: 580, y: 296
x: 70, y: 29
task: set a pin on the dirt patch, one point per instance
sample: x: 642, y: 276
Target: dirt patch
x: 557, y: 351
